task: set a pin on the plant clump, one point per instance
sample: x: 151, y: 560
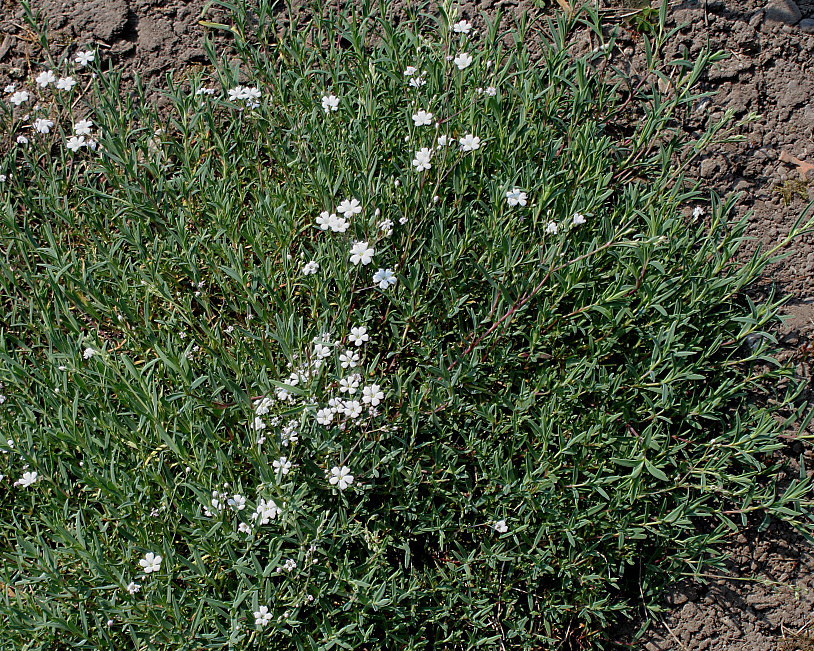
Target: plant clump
x: 396, y: 336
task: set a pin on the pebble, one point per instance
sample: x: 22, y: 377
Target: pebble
x: 784, y: 12
x: 807, y: 25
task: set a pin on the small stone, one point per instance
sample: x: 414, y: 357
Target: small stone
x: 807, y: 25
x: 708, y: 167
x: 783, y: 12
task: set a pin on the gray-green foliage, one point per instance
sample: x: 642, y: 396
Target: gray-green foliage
x: 607, y: 389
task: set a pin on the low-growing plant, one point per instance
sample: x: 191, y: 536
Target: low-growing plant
x: 397, y: 335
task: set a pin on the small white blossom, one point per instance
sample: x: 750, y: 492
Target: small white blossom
x: 350, y: 383
x: 384, y: 278
x: 324, y: 220
x: 349, y: 208
x: 133, y: 587
x: 422, y: 118
x: 360, y: 252
x: 409, y: 71
x: 386, y: 226
x: 266, y: 511
x: 22, y: 140
x: 417, y: 82
x: 349, y: 359
x: 469, y: 142
x: 258, y: 424
x: 491, y: 91
x: 338, y: 224
x: 282, y: 465
x: 443, y: 140
x: 552, y: 228
x: 330, y: 103
x: 352, y: 408
x: 82, y: 128
x: 321, y: 351
x: 89, y: 352
x: 325, y: 416
x: 237, y: 502
x: 341, y: 477
x: 44, y: 78
x: 66, y: 83
x: 421, y: 162
x: 516, y: 197
x: 243, y: 527
x: 372, y: 395
x: 578, y: 219
x: 262, y: 616
x: 358, y: 335
x: 43, y: 125
x: 19, y: 97
x: 75, y: 143
x: 697, y: 212
x: 463, y: 60
x: 262, y: 406
x: 150, y: 563
x: 462, y: 27
x: 27, y: 479
x: 84, y: 57
x: 310, y: 268
x: 500, y: 526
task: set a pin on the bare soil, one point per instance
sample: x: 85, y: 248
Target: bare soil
x: 765, y: 603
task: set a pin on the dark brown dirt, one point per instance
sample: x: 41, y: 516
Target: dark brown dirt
x: 766, y: 603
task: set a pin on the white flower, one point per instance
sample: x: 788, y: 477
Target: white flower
x: 44, y: 78
x: 258, y: 424
x: 89, y: 352
x: 349, y: 208
x: 321, y: 351
x: 330, y: 103
x: 341, y: 477
x: 266, y: 511
x: 349, y: 359
x: 578, y: 219
x: 352, y: 408
x: 19, y: 97
x: 552, y: 228
x: 421, y: 162
x: 66, y: 83
x: 3, y: 178
x: 43, y: 125
x: 237, y: 502
x: 422, y: 118
x: 290, y: 565
x: 262, y: 616
x: 10, y: 88
x: 282, y: 465
x: 500, y: 526
x: 243, y: 527
x: 251, y: 94
x: 262, y: 406
x: 75, y: 143
x: 443, y: 140
x: 236, y: 93
x: 697, y: 212
x: 349, y: 384
x: 360, y: 252
x: 417, y: 82
x: 469, y: 142
x: 83, y: 58
x: 491, y: 91
x: 325, y: 416
x: 372, y: 395
x: 339, y: 224
x: 358, y: 335
x: 22, y: 140
x: 310, y: 268
x: 516, y: 197
x: 324, y: 220
x: 409, y: 71
x: 462, y: 27
x: 150, y: 563
x: 27, y: 479
x: 205, y: 91
x: 463, y: 60
x: 384, y: 278
x: 82, y: 128
x: 386, y: 226
x: 133, y: 587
